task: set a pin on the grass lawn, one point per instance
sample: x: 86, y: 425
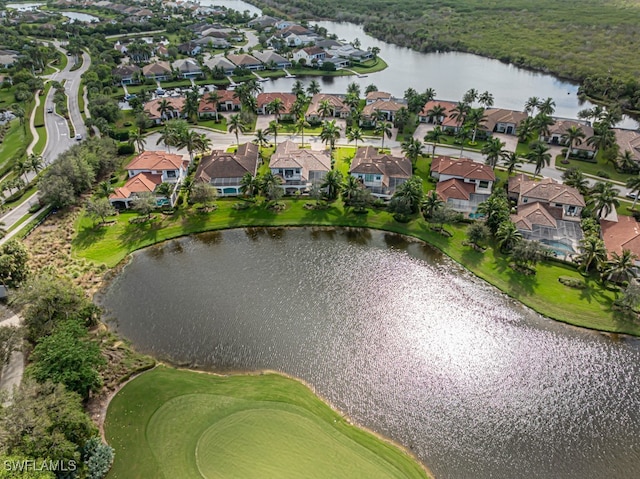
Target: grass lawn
x: 169, y: 423
x: 595, y: 169
x: 220, y: 125
x: 288, y: 127
x: 343, y: 157
x: 589, y: 307
x: 370, y: 66
x: 423, y: 170
x: 15, y: 142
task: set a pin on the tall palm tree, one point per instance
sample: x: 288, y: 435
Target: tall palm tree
x: 191, y: 140
x: 494, y: 150
x: 355, y: 134
x: 604, y: 198
x: 459, y: 113
x: 621, y: 267
x: 603, y: 138
x: 276, y: 107
x: 429, y: 94
x: 261, y: 138
x: 470, y: 96
x: 486, y: 99
x: 325, y: 109
x: 539, y: 155
x: 412, y: 149
x: 164, y: 108
x: 329, y: 134
x: 626, y: 162
x: 462, y: 135
x: 350, y: 188
x: 592, y: 251
x: 300, y: 125
x: 434, y: 136
x: 213, y: 98
x: 272, y: 129
x: 573, y: 136
x: 35, y: 162
x: 541, y: 123
x: 354, y: 89
x: 547, y: 107
x: 270, y: 186
x: 298, y: 88
x: 384, y: 129
x: 236, y: 125
x: 474, y: 120
x: 531, y: 104
x: 525, y: 129
x: 313, y: 88
x: 138, y: 139
x: 633, y: 184
x: 511, y: 161
x: 402, y: 118
x: 191, y: 104
x: 332, y: 182
x: 436, y: 114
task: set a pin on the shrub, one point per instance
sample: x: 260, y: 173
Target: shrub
x: 603, y: 174
x: 572, y: 282
x: 126, y: 149
x: 98, y: 458
x: 127, y: 123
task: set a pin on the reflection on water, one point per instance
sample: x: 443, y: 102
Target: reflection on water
x: 399, y: 338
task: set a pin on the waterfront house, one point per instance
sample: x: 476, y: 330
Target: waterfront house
x: 380, y: 173
x: 142, y: 183
x: 504, y: 121
x: 263, y: 100
x: 299, y: 168
x: 272, y: 59
x: 374, y: 96
x: 426, y: 115
x: 244, y: 60
x: 222, y: 63
x: 620, y: 235
x: 338, y: 107
x: 225, y: 170
x: 310, y: 55
x: 263, y: 22
x: 462, y: 183
x: 388, y: 108
x: 556, y: 136
x: 628, y: 140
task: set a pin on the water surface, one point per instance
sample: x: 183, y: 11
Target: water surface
x: 402, y: 340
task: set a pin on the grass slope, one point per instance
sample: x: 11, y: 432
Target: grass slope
x: 588, y: 307
x: 177, y: 424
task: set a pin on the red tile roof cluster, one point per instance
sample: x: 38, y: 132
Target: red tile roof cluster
x: 462, y: 168
x: 156, y: 161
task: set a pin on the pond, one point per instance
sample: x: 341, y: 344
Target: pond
x: 80, y: 17
x: 399, y: 338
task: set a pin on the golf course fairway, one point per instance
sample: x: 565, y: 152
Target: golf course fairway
x: 175, y: 424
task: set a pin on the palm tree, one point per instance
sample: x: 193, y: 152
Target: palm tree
x: 329, y: 134
x: 539, y: 155
x: 191, y: 104
x: 236, y: 125
x: 459, y: 113
x: 299, y: 107
x: 355, y: 134
x: 313, y: 88
x: 436, y: 113
x: 474, y: 120
x: 331, y: 183
x: 507, y: 236
x: 547, y: 107
x: 350, y: 188
x: 261, y: 138
x: 412, y: 149
x: 604, y: 198
x: 402, y: 118
x: 531, y: 104
x: 462, y: 135
x: 249, y: 185
x: 354, y: 89
x: 213, y: 99
x: 592, y: 251
x: 573, y: 136
x: 382, y: 129
x: 541, y: 124
x: 187, y: 185
x: 166, y: 190
x: 603, y: 138
x: 633, y: 184
x: 298, y: 88
x: 300, y: 125
x: 104, y: 189
x: 431, y: 203
x: 434, y: 136
x: 525, y: 129
x: 164, y: 107
x: 494, y: 150
x: 272, y: 129
x: 626, y: 162
x: 138, y: 139
x: 511, y: 161
x: 486, y: 99
x: 470, y: 96
x: 621, y: 267
x: 35, y: 162
x: 276, y: 107
x: 325, y: 109
x: 22, y: 168
x: 575, y: 178
x: 270, y: 186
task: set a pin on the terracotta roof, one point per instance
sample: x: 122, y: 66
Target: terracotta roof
x: 243, y: 59
x: 498, y: 115
x: 152, y: 108
x: 368, y: 161
x: 141, y: 183
x: 156, y: 161
x: 224, y: 96
x: 628, y: 140
x: 560, y: 127
x: 455, y: 189
x: 515, y: 182
x: 157, y: 68
x: 462, y: 168
x: 289, y: 155
x: 335, y: 101
x: 288, y: 99
x: 297, y: 29
x: 313, y: 50
x: 126, y: 70
x: 551, y: 191
x: 448, y: 105
x: 381, y: 105
x: 221, y: 164
x: 621, y: 235
x: 378, y: 95
x: 533, y: 214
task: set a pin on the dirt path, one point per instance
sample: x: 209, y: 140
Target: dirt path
x: 12, y: 372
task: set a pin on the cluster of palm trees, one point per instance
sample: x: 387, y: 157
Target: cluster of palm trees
x: 176, y: 133
x: 33, y: 163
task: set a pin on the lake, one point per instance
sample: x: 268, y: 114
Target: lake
x: 80, y: 17
x: 399, y: 338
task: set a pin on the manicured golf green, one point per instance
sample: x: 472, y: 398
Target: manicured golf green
x: 175, y: 424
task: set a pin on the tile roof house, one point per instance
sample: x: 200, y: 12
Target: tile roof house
x: 374, y: 96
x: 558, y: 130
x: 127, y: 74
x: 462, y: 183
x: 388, y: 107
x: 299, y: 168
x: 152, y: 109
x: 139, y: 184
x: 227, y: 101
x: 503, y: 121
x: 243, y: 60
x: 425, y: 117
x: 269, y: 57
x: 338, y: 107
x: 190, y: 48
x: 171, y: 167
x: 262, y: 22
x: 310, y: 55
x: 380, y: 173
x: 620, y: 235
x: 263, y: 99
x: 188, y: 68
x: 160, y: 71
x: 221, y: 62
x: 225, y: 170
x: 549, y: 212
x: 628, y: 140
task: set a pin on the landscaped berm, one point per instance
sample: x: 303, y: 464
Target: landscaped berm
x: 175, y: 424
